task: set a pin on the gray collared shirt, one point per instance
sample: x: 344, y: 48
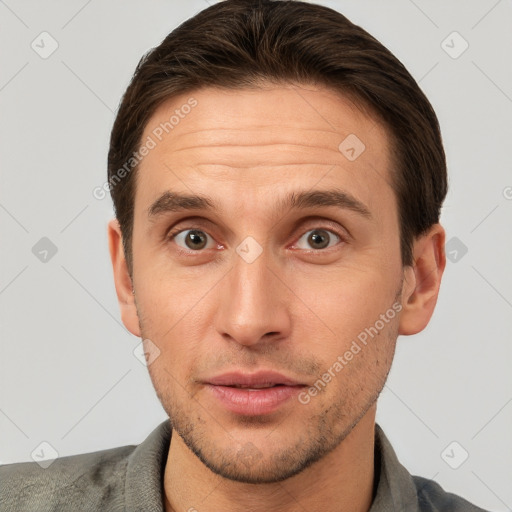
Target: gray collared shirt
x: 130, y: 479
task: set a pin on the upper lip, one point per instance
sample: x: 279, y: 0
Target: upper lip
x: 261, y: 379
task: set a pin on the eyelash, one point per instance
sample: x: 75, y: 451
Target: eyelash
x: 173, y: 233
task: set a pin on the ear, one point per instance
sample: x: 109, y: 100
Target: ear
x: 122, y: 279
x: 422, y: 281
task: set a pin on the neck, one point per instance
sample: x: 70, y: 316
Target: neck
x: 342, y: 480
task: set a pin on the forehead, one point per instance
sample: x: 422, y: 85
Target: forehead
x: 246, y: 142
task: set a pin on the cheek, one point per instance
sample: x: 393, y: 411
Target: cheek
x: 346, y: 302
x: 176, y: 320
x: 362, y: 362
x: 168, y: 300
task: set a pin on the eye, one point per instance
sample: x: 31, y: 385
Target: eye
x: 318, y: 239
x: 192, y: 239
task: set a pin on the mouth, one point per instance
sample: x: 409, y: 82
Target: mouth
x: 259, y: 380
x: 253, y: 387
x: 252, y: 394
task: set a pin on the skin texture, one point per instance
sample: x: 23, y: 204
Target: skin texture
x: 294, y: 309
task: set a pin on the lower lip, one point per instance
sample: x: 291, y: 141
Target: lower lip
x: 259, y: 401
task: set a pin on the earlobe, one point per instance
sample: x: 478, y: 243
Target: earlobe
x: 122, y: 280
x: 422, y: 281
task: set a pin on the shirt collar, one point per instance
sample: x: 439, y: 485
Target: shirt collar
x: 396, y: 489
x: 145, y: 471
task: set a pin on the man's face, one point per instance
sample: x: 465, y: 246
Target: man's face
x: 291, y: 298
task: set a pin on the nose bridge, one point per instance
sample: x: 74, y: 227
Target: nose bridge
x: 251, y: 305
x: 251, y: 278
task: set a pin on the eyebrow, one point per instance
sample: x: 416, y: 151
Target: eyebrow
x: 176, y: 202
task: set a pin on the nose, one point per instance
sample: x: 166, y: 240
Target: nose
x: 254, y: 304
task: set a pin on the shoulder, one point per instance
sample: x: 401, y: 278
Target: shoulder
x: 433, y: 498
x: 79, y: 482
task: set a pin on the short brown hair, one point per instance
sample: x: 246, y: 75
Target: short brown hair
x: 237, y: 44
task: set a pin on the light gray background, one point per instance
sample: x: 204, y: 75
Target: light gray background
x: 68, y: 375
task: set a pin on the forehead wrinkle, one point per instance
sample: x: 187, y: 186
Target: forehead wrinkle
x: 250, y: 135
x: 280, y: 149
